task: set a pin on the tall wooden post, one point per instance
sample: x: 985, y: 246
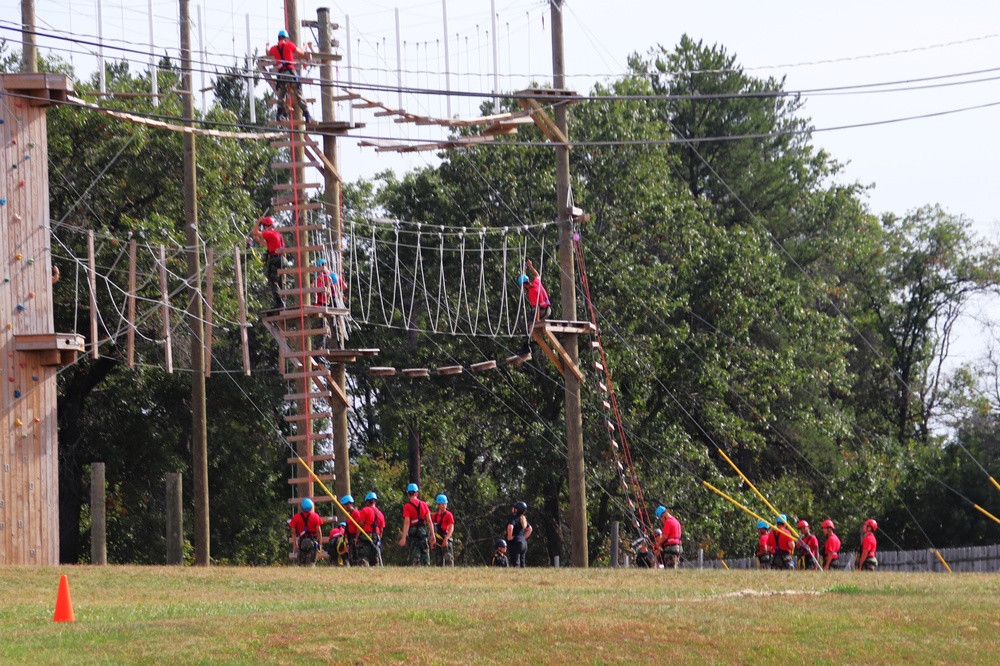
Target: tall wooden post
x: 567, y: 269
x: 29, y: 52
x: 98, y: 515
x: 199, y: 430
x: 331, y: 193
x: 175, y: 519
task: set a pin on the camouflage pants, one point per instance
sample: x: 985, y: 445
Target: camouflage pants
x: 782, y: 561
x: 367, y: 552
x: 308, y: 548
x: 444, y: 555
x: 871, y: 564
x: 416, y: 542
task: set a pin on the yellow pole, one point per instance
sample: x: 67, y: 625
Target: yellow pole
x: 334, y: 498
x: 730, y: 499
x: 994, y: 482
x: 941, y: 557
x: 723, y: 563
x: 754, y: 488
x: 988, y: 514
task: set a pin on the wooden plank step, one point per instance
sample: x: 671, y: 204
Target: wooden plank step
x: 595, y: 344
x: 560, y: 326
x: 307, y: 310
x: 602, y: 387
x: 305, y: 290
x: 312, y: 437
x: 312, y: 416
x: 304, y: 269
x: 319, y: 458
x: 317, y: 499
x: 416, y: 372
x: 606, y: 405
x: 311, y: 374
x: 306, y: 479
x: 334, y: 127
x: 379, y: 371
x: 518, y: 360
x: 291, y: 206
x: 306, y: 332
x: 303, y: 353
x: 296, y: 186
x: 485, y: 365
x: 450, y: 370
x: 598, y: 366
x: 345, y: 98
x: 340, y: 354
x: 367, y: 105
x: 307, y: 396
x: 293, y: 165
x: 289, y: 250
x: 285, y: 143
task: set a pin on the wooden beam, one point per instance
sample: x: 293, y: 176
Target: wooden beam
x: 209, y: 310
x: 130, y: 335
x: 168, y: 354
x: 556, y: 361
x: 92, y: 288
x: 241, y: 302
x: 567, y: 359
x: 338, y: 393
x: 330, y: 167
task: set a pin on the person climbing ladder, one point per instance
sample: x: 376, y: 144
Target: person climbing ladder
x: 264, y: 232
x: 286, y: 77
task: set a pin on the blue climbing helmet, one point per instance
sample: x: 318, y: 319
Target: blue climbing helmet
x: 342, y: 524
x: 333, y: 279
x: 347, y: 499
x: 523, y: 279
x: 371, y: 496
x: 761, y: 525
x: 282, y: 34
x: 660, y: 510
x: 441, y: 499
x: 307, y: 504
x: 782, y: 519
x: 412, y: 488
x: 321, y: 262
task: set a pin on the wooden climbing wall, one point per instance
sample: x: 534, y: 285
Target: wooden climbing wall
x: 29, y: 450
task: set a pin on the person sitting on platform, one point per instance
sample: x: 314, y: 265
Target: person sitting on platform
x: 538, y: 298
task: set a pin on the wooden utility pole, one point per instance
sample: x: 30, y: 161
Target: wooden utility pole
x: 199, y: 430
x: 331, y: 194
x: 29, y: 52
x: 567, y: 282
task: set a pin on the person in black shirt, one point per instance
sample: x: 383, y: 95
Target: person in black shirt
x: 518, y: 531
x: 500, y: 555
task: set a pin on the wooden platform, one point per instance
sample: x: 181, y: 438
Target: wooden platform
x: 562, y: 326
x: 348, y: 355
x: 337, y: 127
x: 381, y: 371
x: 58, y: 349
x: 450, y: 370
x: 41, y: 89
x: 308, y: 311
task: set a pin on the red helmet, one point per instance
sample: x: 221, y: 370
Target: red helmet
x: 872, y: 524
x: 267, y: 221
x: 803, y: 525
x: 827, y: 523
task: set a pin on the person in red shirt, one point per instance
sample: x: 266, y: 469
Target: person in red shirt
x: 307, y: 533
x: 265, y: 233
x: 538, y: 299
x: 417, y: 527
x: 807, y: 548
x: 763, y: 545
x: 444, y: 527
x: 347, y: 501
x: 669, y: 544
x: 868, y: 561
x: 372, y: 523
x: 287, y: 79
x: 782, y: 544
x: 831, y: 546
x: 337, y: 547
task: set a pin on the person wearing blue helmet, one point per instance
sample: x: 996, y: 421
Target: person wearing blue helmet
x: 347, y: 502
x: 764, y: 551
x: 286, y: 76
x: 538, y: 300
x: 372, y: 522
x: 307, y: 534
x: 782, y: 544
x: 444, y: 527
x: 417, y: 527
x: 668, y: 545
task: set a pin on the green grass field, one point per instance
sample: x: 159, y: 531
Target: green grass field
x: 486, y: 616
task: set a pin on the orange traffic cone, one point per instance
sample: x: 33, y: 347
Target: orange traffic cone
x: 64, y: 603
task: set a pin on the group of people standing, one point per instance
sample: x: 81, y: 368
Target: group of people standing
x: 511, y: 552
x: 777, y: 548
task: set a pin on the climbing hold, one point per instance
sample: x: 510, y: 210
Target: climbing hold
x: 10, y: 326
x: 2, y: 121
x: 576, y: 238
x: 31, y: 262
x: 6, y: 279
x: 34, y: 378
x: 10, y: 379
x: 17, y: 394
x: 37, y: 420
x: 21, y: 184
x: 17, y: 218
x: 14, y: 165
x: 24, y: 435
x: 27, y: 156
x: 23, y: 364
x: 17, y: 422
x: 31, y: 294
x: 3, y: 202
x: 20, y: 308
x: 19, y: 256
x: 32, y: 144
x: 14, y: 141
